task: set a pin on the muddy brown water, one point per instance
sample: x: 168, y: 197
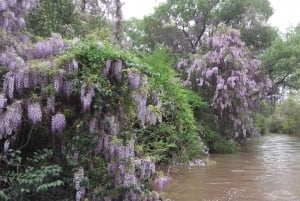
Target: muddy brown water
x: 268, y: 169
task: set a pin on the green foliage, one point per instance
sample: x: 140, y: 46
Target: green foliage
x: 53, y: 16
x: 250, y: 17
x: 286, y: 117
x: 282, y: 60
x: 177, y: 137
x: 181, y: 25
x: 216, y: 142
x: 262, y: 118
x: 31, y: 176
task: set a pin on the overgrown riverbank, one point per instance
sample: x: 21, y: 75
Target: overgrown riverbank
x: 86, y: 115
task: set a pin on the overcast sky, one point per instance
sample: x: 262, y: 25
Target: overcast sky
x: 286, y: 12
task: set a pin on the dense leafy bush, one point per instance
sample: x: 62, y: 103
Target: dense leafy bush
x: 177, y: 137
x: 285, y: 118
x: 216, y: 142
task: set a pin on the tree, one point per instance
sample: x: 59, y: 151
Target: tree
x: 250, y: 17
x: 228, y: 77
x: 286, y: 116
x: 282, y: 60
x: 183, y: 25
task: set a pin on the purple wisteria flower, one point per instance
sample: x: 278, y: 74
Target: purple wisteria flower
x: 42, y: 50
x: 9, y: 84
x: 6, y: 147
x: 51, y: 104
x: 3, y: 5
x: 67, y: 88
x: 86, y: 96
x: 134, y: 79
x: 58, y: 83
x: 58, y: 123
x: 57, y: 44
x: 11, y: 120
x: 3, y: 102
x: 71, y: 67
x: 93, y: 127
x: 107, y: 67
x: 77, y: 179
x: 118, y: 65
x: 34, y: 112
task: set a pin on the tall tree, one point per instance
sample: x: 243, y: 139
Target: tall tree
x: 118, y: 21
x: 282, y: 60
x: 183, y: 25
x: 229, y: 78
x: 250, y: 17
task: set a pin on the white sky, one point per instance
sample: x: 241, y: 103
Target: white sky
x: 286, y: 12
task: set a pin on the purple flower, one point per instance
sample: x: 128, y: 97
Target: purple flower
x: 150, y: 116
x: 21, y: 22
x: 11, y: 120
x: 58, y: 83
x: 9, y: 84
x: 19, y: 77
x: 77, y: 179
x: 107, y: 68
x: 129, y: 179
x: 67, y: 88
x: 34, y: 113
x: 71, y: 67
x: 27, y: 82
x: 134, y: 79
x: 57, y: 44
x: 141, y: 101
x: 93, y: 125
x: 12, y: 3
x: 86, y: 96
x: 42, y: 50
x: 3, y: 5
x: 6, y: 147
x: 118, y: 69
x: 3, y: 102
x: 51, y: 104
x: 161, y: 182
x: 58, y: 123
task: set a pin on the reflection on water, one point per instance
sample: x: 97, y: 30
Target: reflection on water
x: 267, y: 170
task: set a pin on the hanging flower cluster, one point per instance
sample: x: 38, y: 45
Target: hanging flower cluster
x: 118, y: 65
x: 113, y: 69
x: 10, y: 121
x: 111, y: 125
x: 86, y: 95
x: 112, y: 150
x: 145, y: 168
x: 12, y: 13
x: 3, y: 102
x: 134, y: 79
x: 58, y: 123
x: 51, y: 104
x: 34, y: 112
x: 140, y: 96
x: 107, y: 68
x: 48, y: 48
x: 119, y: 157
x: 142, y: 169
x: 80, y: 190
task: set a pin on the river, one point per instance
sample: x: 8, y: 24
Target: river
x: 268, y: 169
